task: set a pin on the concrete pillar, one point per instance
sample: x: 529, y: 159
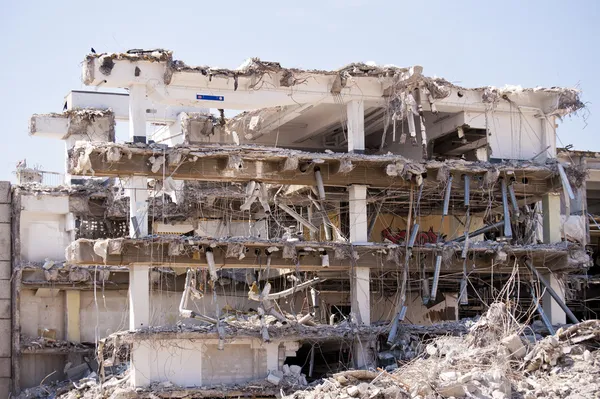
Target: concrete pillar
x: 137, y: 191
x: 551, y: 308
x: 139, y: 296
x: 358, y: 213
x: 272, y: 356
x: 73, y: 324
x: 552, y: 223
x: 137, y: 113
x: 360, y: 293
x: 356, y: 126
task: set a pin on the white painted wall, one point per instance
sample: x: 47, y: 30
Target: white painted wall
x: 190, y: 363
x: 44, y: 227
x: 511, y: 135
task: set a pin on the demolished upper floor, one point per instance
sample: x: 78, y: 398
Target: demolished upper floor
x: 357, y: 108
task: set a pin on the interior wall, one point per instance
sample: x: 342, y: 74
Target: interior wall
x: 109, y: 312
x: 42, y: 309
x: 43, y: 227
x: 511, y: 135
x: 383, y: 307
x: 191, y: 363
x: 452, y: 227
x: 519, y: 135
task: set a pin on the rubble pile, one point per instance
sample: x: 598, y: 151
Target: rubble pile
x: 290, y: 376
x: 492, y: 361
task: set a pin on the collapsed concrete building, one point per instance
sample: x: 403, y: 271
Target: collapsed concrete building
x: 331, y: 224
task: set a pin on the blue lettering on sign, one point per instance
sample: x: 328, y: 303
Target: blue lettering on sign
x: 207, y: 97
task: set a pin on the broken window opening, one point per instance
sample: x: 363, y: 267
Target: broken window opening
x: 97, y: 228
x: 329, y: 357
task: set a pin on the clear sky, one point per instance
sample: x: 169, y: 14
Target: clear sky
x: 471, y: 43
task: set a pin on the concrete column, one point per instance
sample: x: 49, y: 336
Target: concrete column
x: 73, y: 324
x: 551, y: 211
x: 358, y: 213
x: 551, y: 308
x: 137, y: 191
x: 137, y: 113
x: 356, y: 126
x: 360, y: 293
x: 272, y: 356
x: 139, y: 296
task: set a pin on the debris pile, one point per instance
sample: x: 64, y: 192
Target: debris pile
x: 492, y: 361
x: 290, y: 376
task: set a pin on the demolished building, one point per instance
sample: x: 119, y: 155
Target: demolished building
x: 332, y: 224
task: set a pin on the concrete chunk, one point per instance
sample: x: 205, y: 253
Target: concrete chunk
x: 275, y: 377
x: 515, y: 346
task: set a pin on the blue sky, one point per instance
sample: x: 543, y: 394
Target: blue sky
x: 472, y: 43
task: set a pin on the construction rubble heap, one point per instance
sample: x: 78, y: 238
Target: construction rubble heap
x: 495, y: 357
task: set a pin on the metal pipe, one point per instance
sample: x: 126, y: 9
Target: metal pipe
x: 402, y: 313
x: 565, y: 181
x: 480, y: 231
x: 311, y: 367
x: 550, y: 290
x: 436, y: 277
x: 425, y: 294
x: 394, y: 329
x: 320, y: 186
x: 306, y: 319
x: 465, y: 250
x: 212, y: 268
x: 447, y: 196
x: 463, y: 299
x: 314, y: 296
x: 513, y: 199
x: 183, y: 311
x: 507, y: 227
x: 299, y: 218
x: 540, y: 310
x: 467, y: 190
x: 413, y: 235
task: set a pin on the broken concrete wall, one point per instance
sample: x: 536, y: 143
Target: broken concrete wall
x: 189, y: 363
